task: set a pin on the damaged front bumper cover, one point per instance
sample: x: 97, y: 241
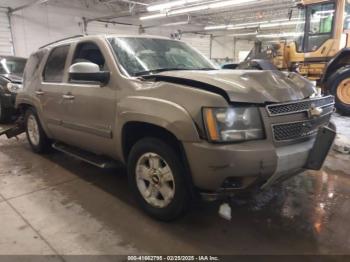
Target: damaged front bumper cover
x: 291, y: 160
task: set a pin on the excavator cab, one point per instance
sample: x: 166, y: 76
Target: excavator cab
x: 317, y: 25
x: 321, y: 48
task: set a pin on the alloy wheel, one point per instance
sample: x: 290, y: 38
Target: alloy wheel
x: 155, y: 180
x: 33, y: 130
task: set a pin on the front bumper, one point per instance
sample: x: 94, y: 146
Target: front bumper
x: 212, y: 165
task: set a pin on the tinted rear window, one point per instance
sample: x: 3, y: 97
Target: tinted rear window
x: 32, y: 65
x: 54, y: 69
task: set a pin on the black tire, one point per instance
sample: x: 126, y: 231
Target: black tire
x: 43, y: 145
x: 181, y: 199
x: 332, y: 86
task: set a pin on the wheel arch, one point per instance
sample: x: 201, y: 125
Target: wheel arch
x: 342, y: 59
x: 23, y: 106
x: 134, y: 131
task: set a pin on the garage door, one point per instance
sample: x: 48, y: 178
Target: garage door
x: 201, y: 43
x: 96, y: 28
x: 6, y: 47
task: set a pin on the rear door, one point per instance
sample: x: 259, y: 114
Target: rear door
x: 52, y: 89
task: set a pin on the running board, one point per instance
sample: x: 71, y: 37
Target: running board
x: 96, y: 160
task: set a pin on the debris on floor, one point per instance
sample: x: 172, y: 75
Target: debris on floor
x: 225, y: 211
x: 342, y: 144
x: 342, y: 141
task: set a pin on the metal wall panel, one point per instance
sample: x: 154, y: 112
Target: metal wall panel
x: 6, y: 47
x: 97, y: 28
x: 201, y: 43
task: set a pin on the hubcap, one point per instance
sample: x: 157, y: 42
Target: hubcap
x: 343, y: 91
x: 155, y: 180
x: 33, y: 130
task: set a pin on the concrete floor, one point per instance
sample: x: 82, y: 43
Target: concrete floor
x: 57, y: 205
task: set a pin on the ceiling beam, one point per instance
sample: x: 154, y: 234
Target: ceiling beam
x: 125, y: 1
x: 37, y: 2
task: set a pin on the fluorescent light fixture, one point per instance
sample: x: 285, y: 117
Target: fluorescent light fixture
x: 278, y: 24
x: 252, y: 24
x: 235, y: 27
x: 195, y: 8
x: 213, y: 27
x: 214, y: 5
x: 168, y: 5
x: 244, y: 34
x: 281, y: 35
x: 188, y: 10
x: 231, y: 27
x: 262, y: 24
x: 228, y: 3
x: 176, y: 23
x: 147, y: 17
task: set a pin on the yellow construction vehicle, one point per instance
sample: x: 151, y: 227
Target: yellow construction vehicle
x: 321, y: 50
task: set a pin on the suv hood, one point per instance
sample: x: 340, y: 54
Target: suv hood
x: 244, y: 86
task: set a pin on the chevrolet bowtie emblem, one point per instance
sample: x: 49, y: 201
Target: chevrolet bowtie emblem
x: 314, y: 111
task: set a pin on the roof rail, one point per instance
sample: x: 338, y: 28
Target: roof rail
x: 60, y: 40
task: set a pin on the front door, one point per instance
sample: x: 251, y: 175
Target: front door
x: 91, y: 113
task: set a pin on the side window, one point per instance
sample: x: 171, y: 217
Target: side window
x: 54, y: 68
x: 347, y: 15
x: 89, y: 52
x: 321, y: 18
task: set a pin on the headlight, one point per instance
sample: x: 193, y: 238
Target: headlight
x: 233, y: 124
x: 13, y: 88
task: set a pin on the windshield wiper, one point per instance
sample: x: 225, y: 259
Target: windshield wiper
x: 158, y: 70
x: 205, y: 69
x: 169, y: 69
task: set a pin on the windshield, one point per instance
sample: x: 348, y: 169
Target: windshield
x: 144, y: 56
x: 12, y: 65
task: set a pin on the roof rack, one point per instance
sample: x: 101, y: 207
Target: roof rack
x: 60, y: 40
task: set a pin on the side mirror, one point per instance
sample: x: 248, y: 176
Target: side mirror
x: 88, y: 72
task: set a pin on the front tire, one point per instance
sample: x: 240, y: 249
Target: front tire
x: 157, y: 179
x: 36, y: 136
x: 339, y: 86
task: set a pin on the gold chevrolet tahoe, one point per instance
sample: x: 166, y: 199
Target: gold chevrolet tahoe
x: 180, y: 125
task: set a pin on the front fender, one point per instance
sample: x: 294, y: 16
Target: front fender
x: 160, y: 112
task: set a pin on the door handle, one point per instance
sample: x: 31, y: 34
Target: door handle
x: 68, y: 97
x: 39, y: 93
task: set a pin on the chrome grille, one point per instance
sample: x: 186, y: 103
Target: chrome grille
x: 299, y: 106
x: 301, y: 129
